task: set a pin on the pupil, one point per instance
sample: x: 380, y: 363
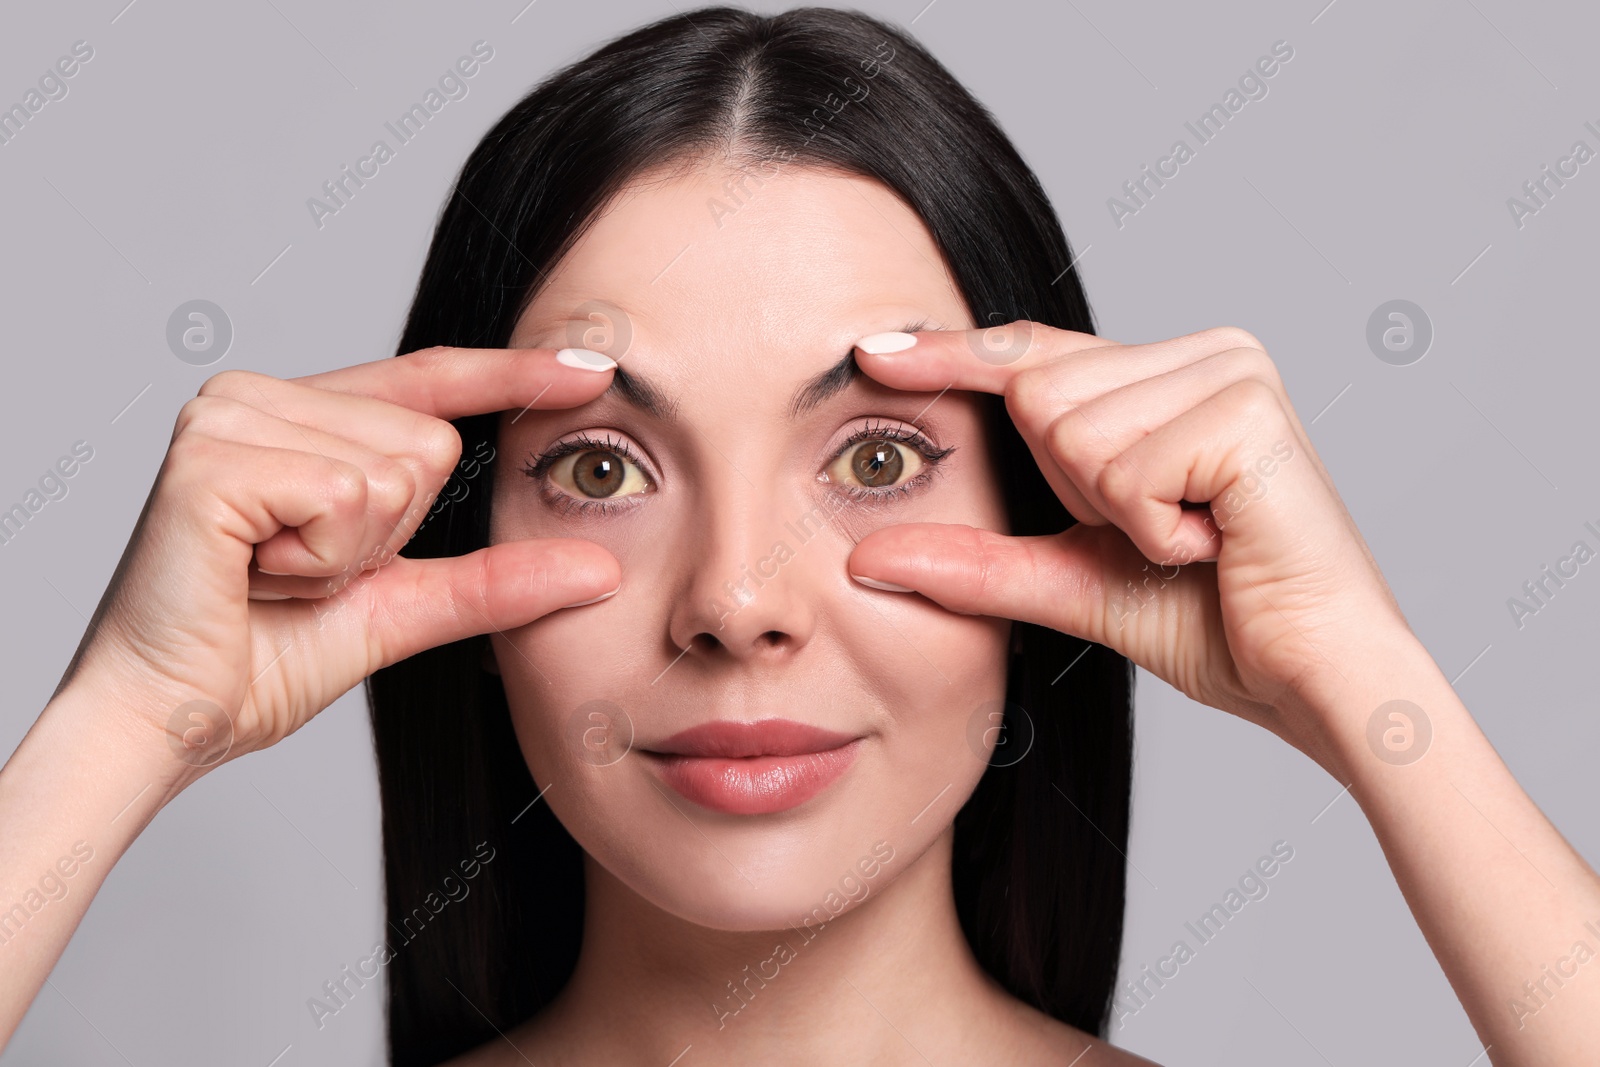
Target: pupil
x: 598, y: 473
x: 877, y: 463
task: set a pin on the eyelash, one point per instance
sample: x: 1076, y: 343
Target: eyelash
x: 539, y: 465
x: 932, y: 458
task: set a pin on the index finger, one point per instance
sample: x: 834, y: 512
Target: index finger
x: 976, y: 360
x: 449, y: 383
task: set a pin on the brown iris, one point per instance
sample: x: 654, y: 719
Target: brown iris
x: 599, y: 473
x: 877, y: 464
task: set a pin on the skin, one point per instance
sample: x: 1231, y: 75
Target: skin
x: 1266, y: 605
x: 690, y: 897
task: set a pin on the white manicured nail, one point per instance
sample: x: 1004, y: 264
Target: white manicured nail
x: 596, y: 600
x: 584, y: 359
x: 879, y: 344
x: 887, y: 587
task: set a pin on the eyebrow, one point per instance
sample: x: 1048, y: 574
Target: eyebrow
x: 814, y: 392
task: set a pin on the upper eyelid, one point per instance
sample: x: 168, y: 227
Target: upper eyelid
x: 899, y: 428
x: 589, y: 439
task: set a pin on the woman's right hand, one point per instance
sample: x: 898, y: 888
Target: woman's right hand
x: 263, y: 580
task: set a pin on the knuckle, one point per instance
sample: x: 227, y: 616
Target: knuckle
x: 231, y: 382
x: 1074, y: 443
x: 981, y: 578
x: 1232, y: 337
x: 438, y: 444
x: 1246, y: 362
x: 391, y: 486
x: 1062, y: 436
x: 1252, y: 396
x: 1029, y: 394
x: 213, y: 415
x: 1117, y: 479
x: 1034, y: 338
x: 192, y: 416
x: 188, y: 456
x: 345, y: 487
x: 433, y: 356
x: 986, y: 576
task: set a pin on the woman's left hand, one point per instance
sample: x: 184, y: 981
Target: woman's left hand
x: 1262, y: 602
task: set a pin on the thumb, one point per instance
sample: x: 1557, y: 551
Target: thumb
x: 410, y: 605
x: 1058, y: 580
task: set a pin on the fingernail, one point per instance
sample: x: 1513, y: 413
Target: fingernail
x: 887, y: 587
x: 584, y: 359
x: 879, y: 344
x: 262, y: 594
x: 596, y: 600
x: 275, y: 574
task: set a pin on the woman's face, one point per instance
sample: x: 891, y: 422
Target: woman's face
x: 732, y: 510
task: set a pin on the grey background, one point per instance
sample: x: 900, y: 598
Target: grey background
x: 1377, y: 167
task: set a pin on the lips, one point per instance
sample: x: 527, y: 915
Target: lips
x: 753, y: 768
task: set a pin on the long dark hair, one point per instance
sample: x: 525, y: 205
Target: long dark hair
x: 1039, y: 870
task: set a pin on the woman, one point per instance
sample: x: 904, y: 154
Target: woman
x: 765, y: 668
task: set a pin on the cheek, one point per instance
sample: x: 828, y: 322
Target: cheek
x: 561, y: 676
x: 939, y: 677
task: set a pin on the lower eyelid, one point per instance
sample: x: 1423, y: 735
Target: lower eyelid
x: 883, y: 495
x: 568, y: 504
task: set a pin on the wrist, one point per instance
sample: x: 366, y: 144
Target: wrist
x: 1384, y: 707
x: 102, y: 732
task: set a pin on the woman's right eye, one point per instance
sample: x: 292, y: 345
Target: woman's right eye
x: 589, y: 473
x: 597, y: 473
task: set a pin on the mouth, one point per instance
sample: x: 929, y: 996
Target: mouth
x: 752, y: 768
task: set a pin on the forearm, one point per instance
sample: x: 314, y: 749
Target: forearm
x: 73, y: 796
x: 1503, y: 900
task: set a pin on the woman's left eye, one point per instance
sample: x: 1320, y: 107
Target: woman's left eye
x: 879, y: 462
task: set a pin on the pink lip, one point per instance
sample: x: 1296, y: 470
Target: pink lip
x: 753, y: 768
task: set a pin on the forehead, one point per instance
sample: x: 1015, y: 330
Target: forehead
x: 770, y: 261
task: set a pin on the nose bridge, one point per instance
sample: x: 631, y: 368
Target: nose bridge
x: 751, y: 569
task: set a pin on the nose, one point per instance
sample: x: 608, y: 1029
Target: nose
x: 752, y: 583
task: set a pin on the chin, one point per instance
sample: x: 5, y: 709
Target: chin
x: 799, y: 868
